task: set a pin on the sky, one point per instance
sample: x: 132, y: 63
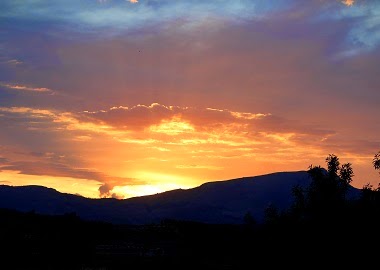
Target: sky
x: 116, y: 98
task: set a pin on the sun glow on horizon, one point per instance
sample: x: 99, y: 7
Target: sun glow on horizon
x: 143, y: 190
x: 147, y: 149
x: 83, y: 187
x: 158, y: 183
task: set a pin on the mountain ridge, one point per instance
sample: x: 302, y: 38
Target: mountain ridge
x: 225, y: 201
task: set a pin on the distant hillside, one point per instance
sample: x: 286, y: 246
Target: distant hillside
x: 213, y: 202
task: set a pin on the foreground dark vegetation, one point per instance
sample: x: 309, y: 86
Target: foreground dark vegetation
x: 322, y: 228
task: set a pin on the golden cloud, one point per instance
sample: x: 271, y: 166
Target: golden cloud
x: 151, y: 147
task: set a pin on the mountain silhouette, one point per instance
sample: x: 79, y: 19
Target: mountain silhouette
x: 214, y: 202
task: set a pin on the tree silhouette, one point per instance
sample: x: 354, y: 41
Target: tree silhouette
x: 322, y: 189
x: 271, y: 214
x: 346, y: 173
x: 332, y: 165
x: 376, y: 161
x: 299, y: 204
x: 328, y: 188
x: 369, y: 193
x: 345, y: 178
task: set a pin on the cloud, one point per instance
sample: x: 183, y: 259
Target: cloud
x: 53, y: 120
x: 156, y: 115
x: 53, y: 165
x: 362, y: 22
x: 164, y: 127
x: 57, y: 166
x: 208, y: 167
x: 105, y: 190
x: 14, y: 62
x: 174, y: 120
x: 158, y: 125
x: 132, y: 156
x: 138, y: 116
x: 19, y: 87
x: 51, y: 169
x: 348, y: 2
x: 119, y: 16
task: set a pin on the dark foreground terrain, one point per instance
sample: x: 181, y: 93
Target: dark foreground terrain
x: 31, y: 241
x: 323, y: 228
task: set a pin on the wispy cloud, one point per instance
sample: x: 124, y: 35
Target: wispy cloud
x: 20, y: 87
x: 120, y: 15
x: 362, y: 23
x: 14, y: 62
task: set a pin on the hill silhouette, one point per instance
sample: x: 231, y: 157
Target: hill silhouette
x: 220, y: 202
x: 211, y: 226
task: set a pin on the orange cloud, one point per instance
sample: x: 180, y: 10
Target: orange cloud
x: 195, y: 125
x: 131, y: 151
x: 348, y: 2
x: 173, y: 126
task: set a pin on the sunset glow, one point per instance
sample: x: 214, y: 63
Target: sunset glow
x: 129, y: 98
x: 348, y: 2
